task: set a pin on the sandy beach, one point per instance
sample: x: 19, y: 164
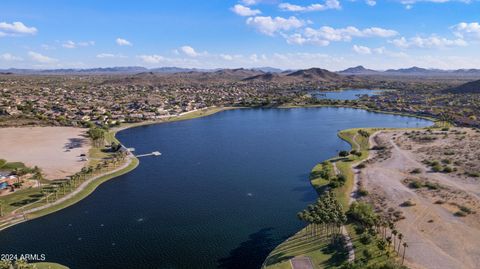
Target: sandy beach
x: 56, y: 150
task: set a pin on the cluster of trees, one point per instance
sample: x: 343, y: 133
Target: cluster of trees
x: 97, y: 135
x: 326, y: 172
x: 325, y: 217
x: 65, y: 186
x: 18, y: 264
x: 371, y: 224
x: 363, y: 133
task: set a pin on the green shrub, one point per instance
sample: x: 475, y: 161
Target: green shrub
x: 415, y: 184
x: 362, y: 192
x: 365, y: 238
x: 407, y: 203
x: 447, y: 169
x: 361, y: 166
x: 446, y: 161
x: 416, y: 171
x: 343, y: 153
x: 460, y: 213
x: 474, y: 174
x: 431, y: 186
x: 466, y: 209
x: 437, y: 168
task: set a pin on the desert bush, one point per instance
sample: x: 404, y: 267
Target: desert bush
x: 437, y: 168
x: 460, y: 213
x: 447, y: 169
x: 407, y: 203
x: 362, y: 192
x: 361, y: 166
x: 416, y: 171
x: 415, y: 184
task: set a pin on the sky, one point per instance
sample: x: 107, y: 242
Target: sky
x: 286, y: 34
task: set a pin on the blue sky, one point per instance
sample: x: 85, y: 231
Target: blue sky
x: 333, y: 34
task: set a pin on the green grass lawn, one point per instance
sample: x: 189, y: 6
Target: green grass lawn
x: 301, y: 244
x: 12, y: 165
x: 315, y: 248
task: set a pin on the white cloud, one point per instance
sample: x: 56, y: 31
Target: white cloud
x: 326, y: 34
x: 245, y: 11
x: 37, y: 57
x: 250, y: 2
x: 409, y: 3
x: 371, y: 2
x: 362, y: 49
x: 329, y: 4
x: 9, y: 57
x: 432, y: 41
x: 15, y: 29
x: 123, y: 42
x: 72, y: 45
x: 189, y: 51
x: 226, y: 57
x: 152, y: 59
x: 467, y: 30
x: 110, y: 55
x: 270, y: 26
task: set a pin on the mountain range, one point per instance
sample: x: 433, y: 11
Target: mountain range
x: 261, y: 73
x: 412, y: 71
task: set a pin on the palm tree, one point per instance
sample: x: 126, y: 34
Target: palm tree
x: 21, y: 264
x: 394, y: 232
x: 405, y: 245
x: 400, y: 237
x: 5, y: 264
x: 389, y: 240
x: 55, y: 191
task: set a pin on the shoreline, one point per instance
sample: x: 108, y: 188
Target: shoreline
x: 89, y: 186
x: 185, y: 116
x: 346, y: 193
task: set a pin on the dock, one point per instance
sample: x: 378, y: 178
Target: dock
x: 154, y: 153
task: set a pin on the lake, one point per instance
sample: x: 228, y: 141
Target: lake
x: 348, y: 94
x: 223, y: 194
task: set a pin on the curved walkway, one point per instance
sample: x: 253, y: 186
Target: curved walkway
x: 79, y: 188
x: 21, y: 217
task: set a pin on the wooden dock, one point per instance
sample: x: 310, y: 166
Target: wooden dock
x: 155, y: 153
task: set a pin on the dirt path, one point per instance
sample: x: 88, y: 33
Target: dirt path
x: 436, y: 238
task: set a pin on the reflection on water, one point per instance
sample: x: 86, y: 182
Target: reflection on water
x: 224, y: 192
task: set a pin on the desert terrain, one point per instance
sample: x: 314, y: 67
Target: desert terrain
x: 427, y: 181
x: 55, y: 150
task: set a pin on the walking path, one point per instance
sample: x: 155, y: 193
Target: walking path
x: 21, y: 217
x: 80, y: 188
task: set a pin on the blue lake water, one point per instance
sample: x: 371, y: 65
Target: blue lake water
x: 223, y: 194
x: 348, y: 94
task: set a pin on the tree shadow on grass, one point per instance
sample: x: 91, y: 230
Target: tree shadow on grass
x: 250, y: 253
x: 24, y: 202
x: 339, y: 255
